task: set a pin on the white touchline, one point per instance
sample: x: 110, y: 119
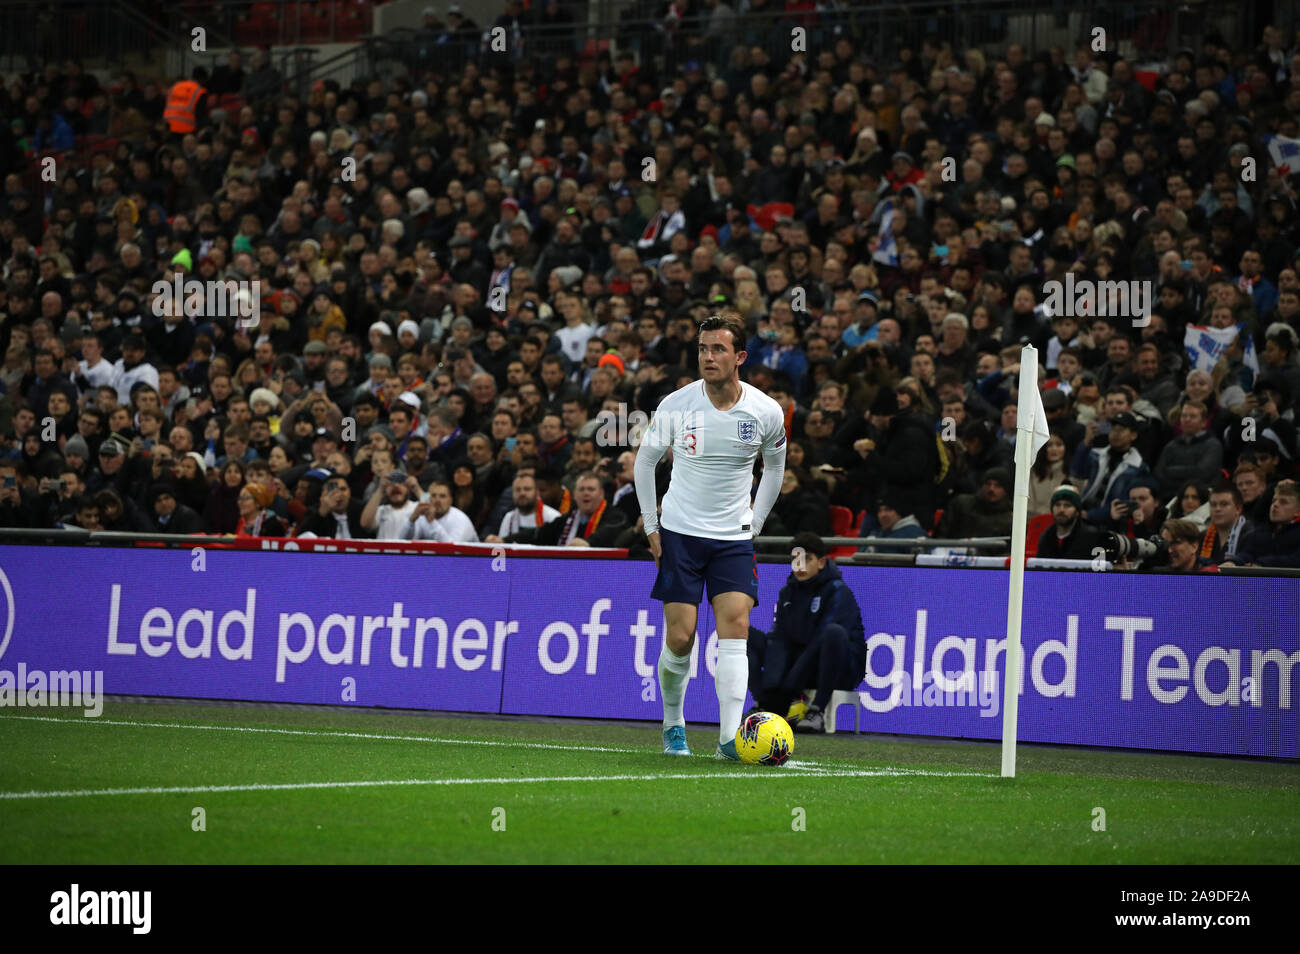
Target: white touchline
x: 291, y: 786
x: 806, y: 766
x: 341, y: 735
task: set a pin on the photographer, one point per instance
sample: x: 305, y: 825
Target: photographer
x: 389, y: 509
x: 1141, y: 515
x: 1182, y: 540
x: 337, y: 516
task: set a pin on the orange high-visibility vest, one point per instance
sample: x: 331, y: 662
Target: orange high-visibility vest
x: 182, y: 102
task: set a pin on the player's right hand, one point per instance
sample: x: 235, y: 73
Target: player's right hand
x: 656, y: 548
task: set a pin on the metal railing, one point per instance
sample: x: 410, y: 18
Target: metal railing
x: 61, y: 537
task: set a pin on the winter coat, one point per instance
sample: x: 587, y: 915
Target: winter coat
x: 907, y: 462
x: 1198, y: 458
x: 1272, y: 545
x: 1110, y: 485
x: 1078, y: 545
x: 804, y: 607
x: 970, y: 515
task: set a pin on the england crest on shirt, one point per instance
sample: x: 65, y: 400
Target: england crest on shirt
x: 816, y: 604
x: 746, y: 431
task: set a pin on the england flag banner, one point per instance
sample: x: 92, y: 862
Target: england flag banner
x: 1205, y: 346
x: 1285, y: 153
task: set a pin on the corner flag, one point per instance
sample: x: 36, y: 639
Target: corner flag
x: 1031, y: 435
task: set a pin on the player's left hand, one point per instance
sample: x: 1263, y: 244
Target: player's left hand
x: 578, y: 542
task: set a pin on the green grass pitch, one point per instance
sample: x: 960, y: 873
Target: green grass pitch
x: 297, y: 785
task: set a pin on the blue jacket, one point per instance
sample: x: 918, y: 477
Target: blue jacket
x: 804, y: 607
x: 59, y: 136
x: 793, y: 362
x: 908, y: 528
x: 1116, y: 484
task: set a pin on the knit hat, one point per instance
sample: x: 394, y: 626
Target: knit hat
x: 611, y: 359
x: 184, y: 259
x: 408, y: 325
x: 198, y: 459
x: 263, y: 496
x: 76, y: 446
x: 264, y: 394
x: 1067, y: 492
x: 1000, y: 475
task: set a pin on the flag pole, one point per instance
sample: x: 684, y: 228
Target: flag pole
x: 1028, y: 405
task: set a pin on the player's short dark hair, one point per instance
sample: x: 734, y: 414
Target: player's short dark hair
x: 730, y: 323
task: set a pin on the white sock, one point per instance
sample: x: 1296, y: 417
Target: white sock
x: 731, y: 680
x: 674, y: 674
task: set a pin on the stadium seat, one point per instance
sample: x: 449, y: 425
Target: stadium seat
x: 1033, y: 530
x: 842, y: 697
x: 841, y: 526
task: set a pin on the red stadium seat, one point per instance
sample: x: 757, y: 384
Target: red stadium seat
x: 1033, y: 530
x: 841, y: 526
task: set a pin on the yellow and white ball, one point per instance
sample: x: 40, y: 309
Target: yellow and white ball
x: 764, y: 738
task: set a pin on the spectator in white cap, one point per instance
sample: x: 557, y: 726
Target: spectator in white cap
x: 408, y: 335
x: 418, y: 200
x: 380, y: 337
x: 264, y: 401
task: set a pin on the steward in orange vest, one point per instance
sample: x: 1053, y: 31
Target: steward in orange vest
x: 184, y: 103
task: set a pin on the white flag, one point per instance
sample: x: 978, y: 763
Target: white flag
x: 1030, y: 412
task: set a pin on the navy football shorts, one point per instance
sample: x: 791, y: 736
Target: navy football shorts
x: 688, y: 563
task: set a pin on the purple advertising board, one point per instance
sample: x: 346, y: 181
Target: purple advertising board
x: 1200, y: 664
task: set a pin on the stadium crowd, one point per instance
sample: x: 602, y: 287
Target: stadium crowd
x: 525, y: 249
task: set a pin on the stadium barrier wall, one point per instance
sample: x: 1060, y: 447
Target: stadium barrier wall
x: 1197, y: 664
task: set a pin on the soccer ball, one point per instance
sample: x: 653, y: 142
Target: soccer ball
x: 764, y: 738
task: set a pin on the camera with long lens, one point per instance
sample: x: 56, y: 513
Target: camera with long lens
x: 1149, y: 551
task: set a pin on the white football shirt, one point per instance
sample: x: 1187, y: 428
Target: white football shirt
x: 713, y: 458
